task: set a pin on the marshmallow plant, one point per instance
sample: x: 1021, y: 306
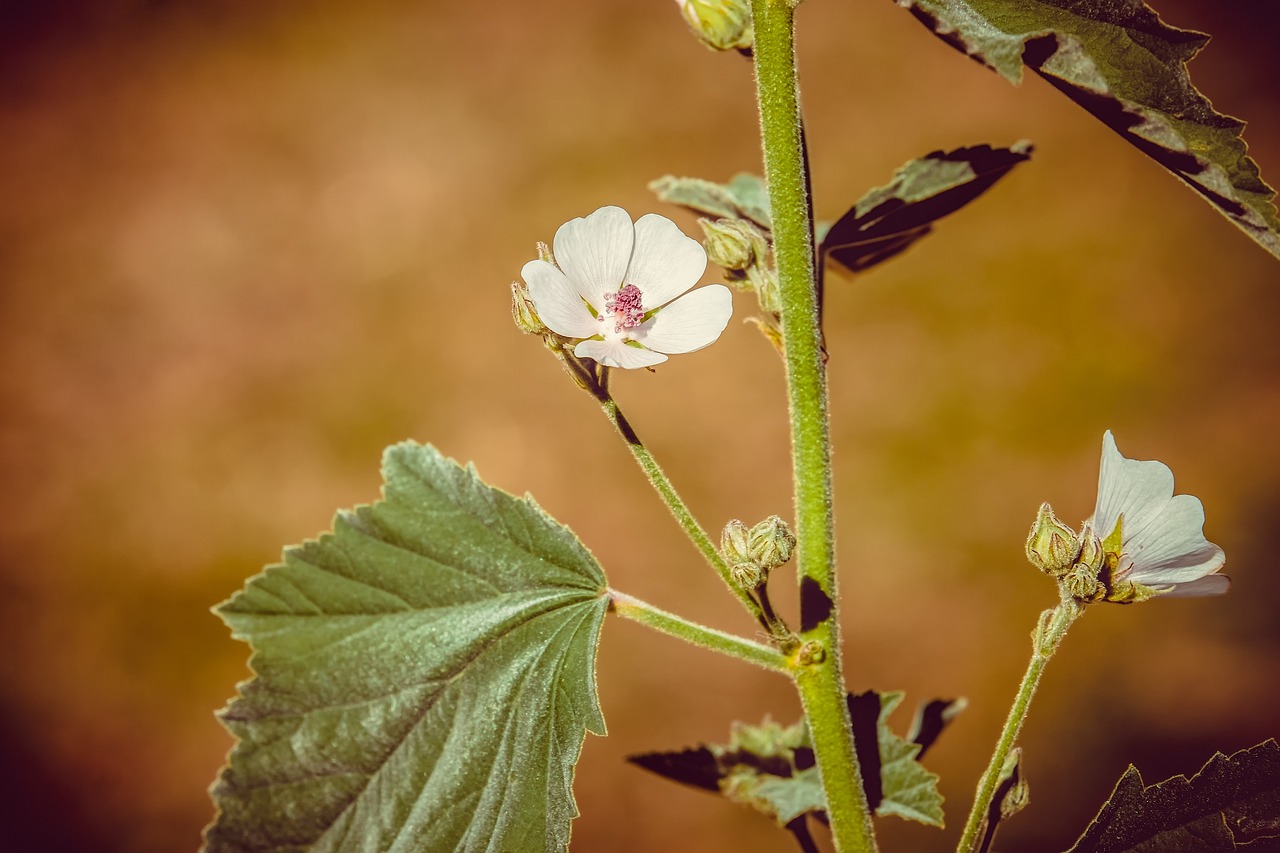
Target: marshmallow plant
x: 424, y: 673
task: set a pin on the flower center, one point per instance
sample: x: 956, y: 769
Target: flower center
x: 625, y: 307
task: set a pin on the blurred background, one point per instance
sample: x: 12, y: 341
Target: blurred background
x: 245, y: 246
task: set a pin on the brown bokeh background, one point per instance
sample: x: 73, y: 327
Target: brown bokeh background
x: 245, y: 246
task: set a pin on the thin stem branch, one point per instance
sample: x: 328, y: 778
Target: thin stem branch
x: 595, y: 381
x: 699, y: 635
x: 670, y: 497
x: 818, y: 671
x: 1048, y: 636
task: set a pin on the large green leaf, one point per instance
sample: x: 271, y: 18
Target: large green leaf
x: 1233, y: 802
x: 425, y: 676
x: 1124, y: 65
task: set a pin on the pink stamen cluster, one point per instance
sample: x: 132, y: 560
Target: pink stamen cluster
x: 625, y: 307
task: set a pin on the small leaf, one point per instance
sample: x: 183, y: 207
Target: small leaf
x: 909, y: 791
x: 1231, y: 802
x: 770, y: 767
x: 1124, y: 65
x: 889, y: 219
x: 744, y: 197
x: 425, y: 676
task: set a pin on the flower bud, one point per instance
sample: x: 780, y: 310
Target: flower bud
x: 1051, y: 545
x: 771, y: 543
x: 747, y: 576
x: 523, y: 311
x: 1091, y: 553
x: 734, y: 244
x: 720, y: 24
x: 1082, y: 584
x: 733, y: 543
x: 811, y: 652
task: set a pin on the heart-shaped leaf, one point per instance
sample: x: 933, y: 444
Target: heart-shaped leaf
x: 425, y: 676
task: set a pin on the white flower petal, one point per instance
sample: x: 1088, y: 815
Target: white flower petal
x: 1172, y: 547
x: 614, y: 353
x: 665, y: 262
x: 690, y: 323
x: 1138, y: 489
x: 594, y: 252
x: 559, y: 306
x: 1207, y: 585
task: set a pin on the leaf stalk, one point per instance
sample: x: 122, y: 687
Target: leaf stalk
x: 741, y: 648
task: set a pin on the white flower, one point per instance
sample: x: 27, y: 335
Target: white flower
x: 1161, y: 547
x: 617, y: 285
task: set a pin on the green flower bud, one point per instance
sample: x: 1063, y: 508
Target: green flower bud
x: 733, y: 543
x: 1051, y: 545
x: 1091, y: 553
x: 811, y: 652
x: 1082, y: 584
x: 523, y: 311
x: 771, y: 543
x: 734, y: 244
x: 748, y: 576
x: 720, y: 24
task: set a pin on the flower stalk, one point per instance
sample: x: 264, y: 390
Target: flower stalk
x: 818, y: 676
x: 1048, y: 635
x: 595, y: 380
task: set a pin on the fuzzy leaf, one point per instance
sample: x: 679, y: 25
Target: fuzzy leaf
x: 1124, y: 65
x: 744, y: 197
x: 770, y: 767
x: 908, y: 790
x: 1233, y: 801
x: 889, y: 219
x: 425, y: 676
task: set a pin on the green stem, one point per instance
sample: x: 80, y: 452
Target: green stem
x: 699, y: 635
x: 818, y: 670
x: 677, y: 506
x: 1048, y: 636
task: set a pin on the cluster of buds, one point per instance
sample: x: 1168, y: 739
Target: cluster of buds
x: 1073, y: 559
x: 754, y: 552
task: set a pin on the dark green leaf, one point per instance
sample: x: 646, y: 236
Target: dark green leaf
x: 1231, y: 802
x: 1124, y: 65
x: 425, y: 676
x: 889, y: 219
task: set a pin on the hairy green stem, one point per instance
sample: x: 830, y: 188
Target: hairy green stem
x: 818, y: 671
x: 677, y: 506
x: 1048, y: 636
x: 699, y: 635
